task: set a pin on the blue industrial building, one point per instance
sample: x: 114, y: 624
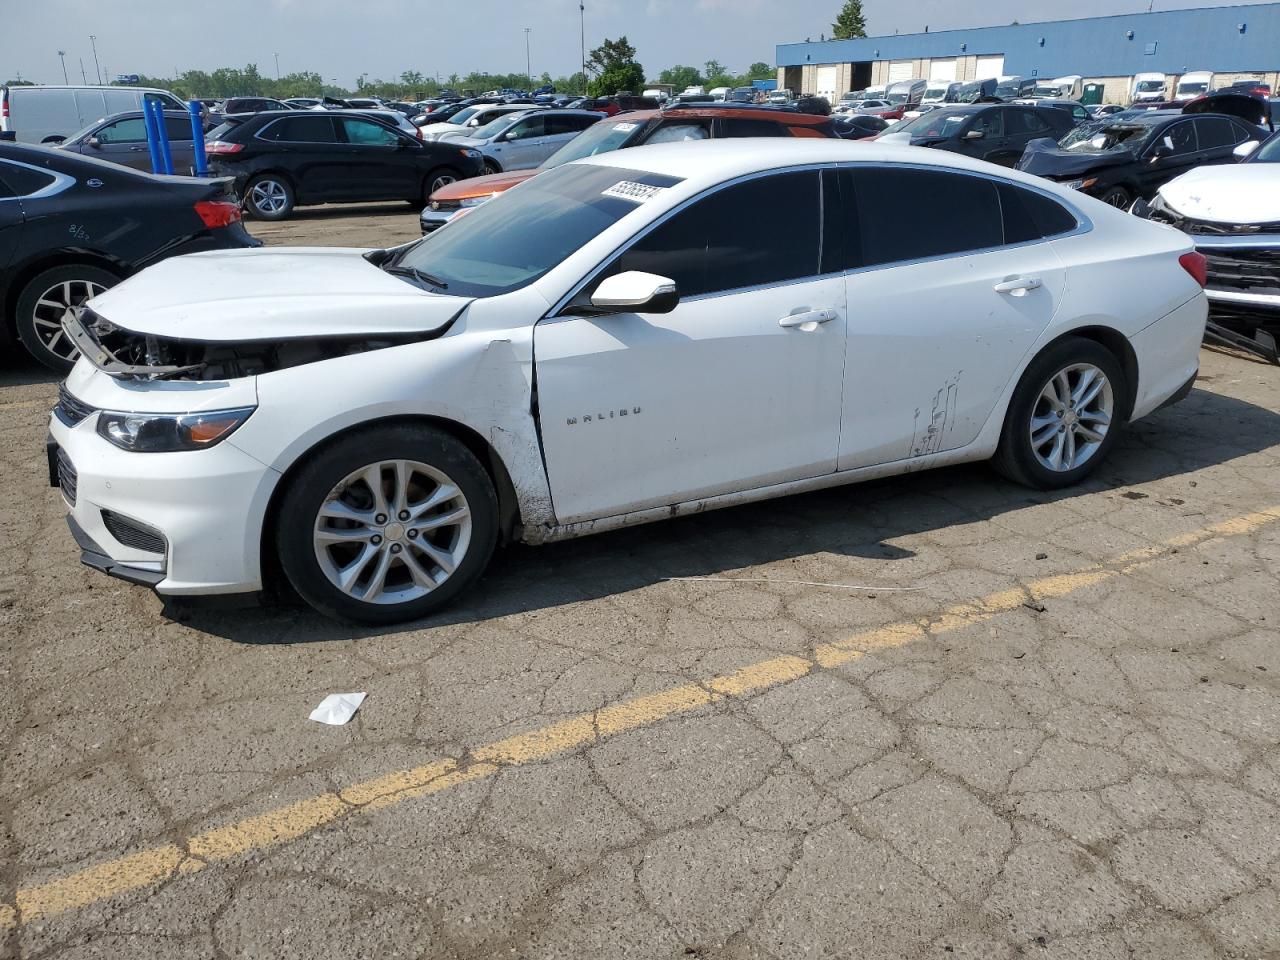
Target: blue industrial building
x: 1236, y: 42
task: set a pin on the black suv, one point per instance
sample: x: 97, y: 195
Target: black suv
x: 72, y: 226
x: 282, y: 159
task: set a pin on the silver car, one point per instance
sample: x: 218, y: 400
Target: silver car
x: 521, y: 141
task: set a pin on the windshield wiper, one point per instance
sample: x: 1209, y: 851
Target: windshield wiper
x: 401, y: 270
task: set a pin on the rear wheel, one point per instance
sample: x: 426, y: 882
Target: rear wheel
x: 46, y: 299
x: 1064, y: 415
x: 269, y: 197
x: 387, y: 525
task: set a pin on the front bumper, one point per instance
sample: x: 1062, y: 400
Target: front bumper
x: 1243, y: 272
x: 185, y: 524
x: 432, y: 220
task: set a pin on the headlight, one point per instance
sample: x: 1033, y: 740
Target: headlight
x: 476, y: 201
x: 1080, y: 184
x: 471, y: 154
x: 169, y: 432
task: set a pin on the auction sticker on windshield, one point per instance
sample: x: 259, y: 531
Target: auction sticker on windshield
x: 625, y: 127
x: 630, y: 190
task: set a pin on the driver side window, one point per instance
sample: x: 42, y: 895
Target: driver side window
x: 367, y: 133
x: 527, y: 129
x: 1183, y: 137
x: 132, y: 130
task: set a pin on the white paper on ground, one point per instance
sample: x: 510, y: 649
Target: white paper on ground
x: 337, y: 708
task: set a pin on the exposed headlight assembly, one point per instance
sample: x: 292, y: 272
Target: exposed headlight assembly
x: 169, y: 432
x: 475, y: 201
x: 1080, y: 184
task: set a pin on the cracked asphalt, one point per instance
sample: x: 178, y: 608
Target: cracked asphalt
x: 1025, y: 725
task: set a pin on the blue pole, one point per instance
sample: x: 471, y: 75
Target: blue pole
x: 197, y: 137
x: 166, y: 155
x: 153, y: 138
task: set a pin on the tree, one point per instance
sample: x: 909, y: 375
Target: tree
x: 681, y: 77
x: 615, y: 68
x: 850, y: 22
x: 760, y: 71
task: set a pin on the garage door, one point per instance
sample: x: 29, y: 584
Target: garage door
x: 990, y: 67
x: 900, y: 70
x: 944, y: 70
x: 827, y: 83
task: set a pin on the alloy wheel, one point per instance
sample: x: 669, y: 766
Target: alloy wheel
x: 268, y: 196
x: 440, y: 182
x: 56, y: 303
x: 392, y: 532
x: 1071, y: 417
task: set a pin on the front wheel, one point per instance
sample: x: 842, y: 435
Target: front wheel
x: 490, y: 168
x: 46, y: 299
x: 438, y: 180
x: 387, y: 525
x: 1064, y: 416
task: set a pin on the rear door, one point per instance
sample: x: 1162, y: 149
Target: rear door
x: 1021, y: 126
x: 560, y: 129
x: 949, y: 285
x: 1217, y: 137
x: 992, y: 143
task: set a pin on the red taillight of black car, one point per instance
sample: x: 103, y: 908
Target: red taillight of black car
x: 222, y: 147
x: 217, y: 213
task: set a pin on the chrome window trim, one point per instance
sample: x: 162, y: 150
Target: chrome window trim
x: 1083, y: 226
x: 61, y: 182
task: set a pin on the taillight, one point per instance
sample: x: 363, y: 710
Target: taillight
x: 1196, y: 265
x: 222, y: 146
x: 4, y: 108
x: 217, y: 213
x: 417, y: 132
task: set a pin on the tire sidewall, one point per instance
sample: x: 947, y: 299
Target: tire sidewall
x: 1015, y: 440
x: 311, y: 484
x: 26, y: 306
x: 289, y: 198
x: 431, y: 183
x: 1117, y: 191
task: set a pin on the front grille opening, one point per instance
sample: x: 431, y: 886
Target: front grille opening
x: 132, y: 533
x: 71, y: 410
x: 67, y: 477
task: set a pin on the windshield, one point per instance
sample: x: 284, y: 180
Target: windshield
x: 491, y: 129
x: 1009, y: 90
x: 1150, y: 86
x: 517, y: 237
x: 1269, y: 152
x: 1047, y: 90
x: 1107, y: 136
x: 1190, y: 88
x: 935, y: 93
x: 935, y: 123
x: 462, y: 116
x: 898, y: 96
x: 599, y: 138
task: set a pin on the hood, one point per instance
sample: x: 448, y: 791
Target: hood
x: 444, y: 126
x: 482, y: 186
x: 1252, y: 109
x: 281, y: 294
x: 1044, y: 158
x: 890, y: 136
x: 1247, y: 193
x: 461, y: 139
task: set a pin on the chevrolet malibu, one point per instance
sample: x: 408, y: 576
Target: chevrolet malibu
x: 633, y: 336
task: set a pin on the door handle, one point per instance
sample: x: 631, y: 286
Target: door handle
x: 1018, y: 285
x: 808, y: 320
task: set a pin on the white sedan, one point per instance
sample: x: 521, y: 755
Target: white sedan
x: 638, y: 335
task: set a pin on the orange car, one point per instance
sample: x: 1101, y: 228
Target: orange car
x: 695, y: 122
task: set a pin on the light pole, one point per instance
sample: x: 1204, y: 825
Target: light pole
x: 582, y: 26
x: 277, y: 56
x: 93, y: 41
x: 62, y: 55
x: 528, y: 61
x: 83, y: 76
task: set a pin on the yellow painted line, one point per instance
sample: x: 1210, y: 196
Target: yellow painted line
x: 295, y: 820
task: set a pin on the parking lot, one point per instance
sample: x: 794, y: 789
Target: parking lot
x: 937, y: 716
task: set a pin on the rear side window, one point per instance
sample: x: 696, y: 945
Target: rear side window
x: 751, y: 128
x: 557, y: 125
x: 23, y: 181
x: 915, y: 214
x: 1026, y: 121
x: 303, y: 129
x: 760, y: 232
x: 178, y: 128
x: 1217, y: 132
x: 1028, y: 215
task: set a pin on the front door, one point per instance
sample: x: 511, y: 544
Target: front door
x: 309, y: 149
x: 522, y: 146
x: 991, y: 145
x: 123, y: 141
x: 1175, y: 151
x: 952, y: 285
x: 381, y: 162
x: 738, y: 387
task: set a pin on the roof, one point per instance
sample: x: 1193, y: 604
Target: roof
x: 1168, y: 41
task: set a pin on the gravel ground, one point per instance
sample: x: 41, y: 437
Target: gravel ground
x: 1029, y: 725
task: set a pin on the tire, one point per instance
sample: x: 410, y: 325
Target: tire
x: 319, y: 550
x: 269, y: 196
x: 490, y: 168
x: 1037, y: 424
x: 44, y: 300
x: 1117, y: 197
x: 438, y: 179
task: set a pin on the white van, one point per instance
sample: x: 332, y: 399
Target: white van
x: 718, y: 93
x: 1063, y: 88
x: 1192, y: 85
x: 52, y: 114
x: 941, y: 91
x: 906, y: 93
x: 1147, y: 88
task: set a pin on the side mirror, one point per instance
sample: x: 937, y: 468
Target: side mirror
x: 93, y: 142
x: 635, y: 292
x: 974, y: 135
x: 1245, y: 149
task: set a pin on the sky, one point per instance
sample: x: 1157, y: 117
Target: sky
x: 341, y: 39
